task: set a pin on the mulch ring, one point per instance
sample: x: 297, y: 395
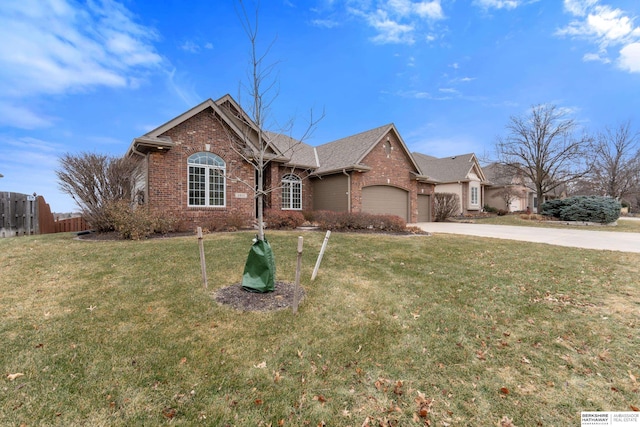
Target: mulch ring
x: 281, y: 298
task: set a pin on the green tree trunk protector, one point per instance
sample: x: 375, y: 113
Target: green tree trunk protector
x: 260, y: 269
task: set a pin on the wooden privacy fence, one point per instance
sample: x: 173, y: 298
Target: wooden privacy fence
x: 70, y: 224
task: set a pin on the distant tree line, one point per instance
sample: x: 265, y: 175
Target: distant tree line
x: 546, y: 147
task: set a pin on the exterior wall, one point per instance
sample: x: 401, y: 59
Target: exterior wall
x: 167, y: 174
x: 278, y: 172
x: 388, y: 167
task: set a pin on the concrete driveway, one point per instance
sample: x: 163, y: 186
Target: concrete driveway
x: 588, y: 239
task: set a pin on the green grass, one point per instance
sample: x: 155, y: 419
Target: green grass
x: 623, y: 225
x: 123, y: 333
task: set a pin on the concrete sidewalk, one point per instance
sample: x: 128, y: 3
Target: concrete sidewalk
x: 588, y: 239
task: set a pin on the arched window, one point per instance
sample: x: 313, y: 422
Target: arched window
x: 206, y: 180
x: 291, y: 192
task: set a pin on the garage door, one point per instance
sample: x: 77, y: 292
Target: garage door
x: 385, y: 200
x: 424, y: 208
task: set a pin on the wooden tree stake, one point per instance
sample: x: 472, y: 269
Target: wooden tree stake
x: 324, y: 246
x: 203, y: 263
x: 296, y: 295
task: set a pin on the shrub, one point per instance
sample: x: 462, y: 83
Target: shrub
x: 139, y: 223
x: 553, y: 207
x: 236, y: 221
x: 489, y: 209
x: 502, y: 212
x: 445, y: 205
x: 350, y: 221
x: 583, y: 208
x: 309, y: 216
x: 283, y: 220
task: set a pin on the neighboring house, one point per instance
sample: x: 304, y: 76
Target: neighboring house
x: 512, y: 191
x: 461, y: 175
x: 507, y: 191
x: 194, y: 167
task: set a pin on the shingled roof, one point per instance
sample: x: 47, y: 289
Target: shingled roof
x: 447, y: 169
x: 299, y: 154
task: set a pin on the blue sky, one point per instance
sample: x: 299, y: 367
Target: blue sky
x: 92, y: 75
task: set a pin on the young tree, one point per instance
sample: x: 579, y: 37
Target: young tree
x: 616, y: 165
x: 256, y: 142
x: 256, y: 146
x: 542, y: 147
x: 95, y: 181
x: 508, y: 194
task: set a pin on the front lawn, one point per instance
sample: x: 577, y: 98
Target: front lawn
x: 395, y: 331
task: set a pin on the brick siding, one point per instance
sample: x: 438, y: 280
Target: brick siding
x: 168, y: 181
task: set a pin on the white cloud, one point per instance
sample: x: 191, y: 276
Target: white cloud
x: 325, y: 23
x: 605, y: 27
x: 429, y: 9
x: 60, y: 46
x: 390, y: 31
x: 579, y: 7
x: 190, y: 47
x: 597, y: 57
x: 398, y: 21
x: 630, y: 58
x: 498, y: 4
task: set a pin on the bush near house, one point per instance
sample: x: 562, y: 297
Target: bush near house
x: 349, y: 221
x: 445, y: 206
x: 136, y: 224
x: 583, y: 208
x: 283, y: 220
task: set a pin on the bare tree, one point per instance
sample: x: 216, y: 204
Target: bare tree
x: 541, y: 146
x: 94, y: 181
x: 256, y: 144
x: 508, y: 194
x: 616, y: 165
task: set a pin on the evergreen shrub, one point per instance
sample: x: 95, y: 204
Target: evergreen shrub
x: 600, y: 209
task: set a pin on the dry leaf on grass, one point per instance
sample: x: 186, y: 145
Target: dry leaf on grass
x: 506, y: 422
x: 14, y: 376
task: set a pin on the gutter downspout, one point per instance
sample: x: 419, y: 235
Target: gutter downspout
x: 344, y: 171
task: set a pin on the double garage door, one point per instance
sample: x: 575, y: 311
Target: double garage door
x: 385, y: 200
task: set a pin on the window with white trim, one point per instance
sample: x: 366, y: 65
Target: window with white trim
x: 291, y: 192
x: 206, y: 180
x: 474, y: 195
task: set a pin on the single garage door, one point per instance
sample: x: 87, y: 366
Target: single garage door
x: 424, y: 208
x: 385, y: 200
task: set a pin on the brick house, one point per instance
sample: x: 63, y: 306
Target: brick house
x: 197, y: 167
